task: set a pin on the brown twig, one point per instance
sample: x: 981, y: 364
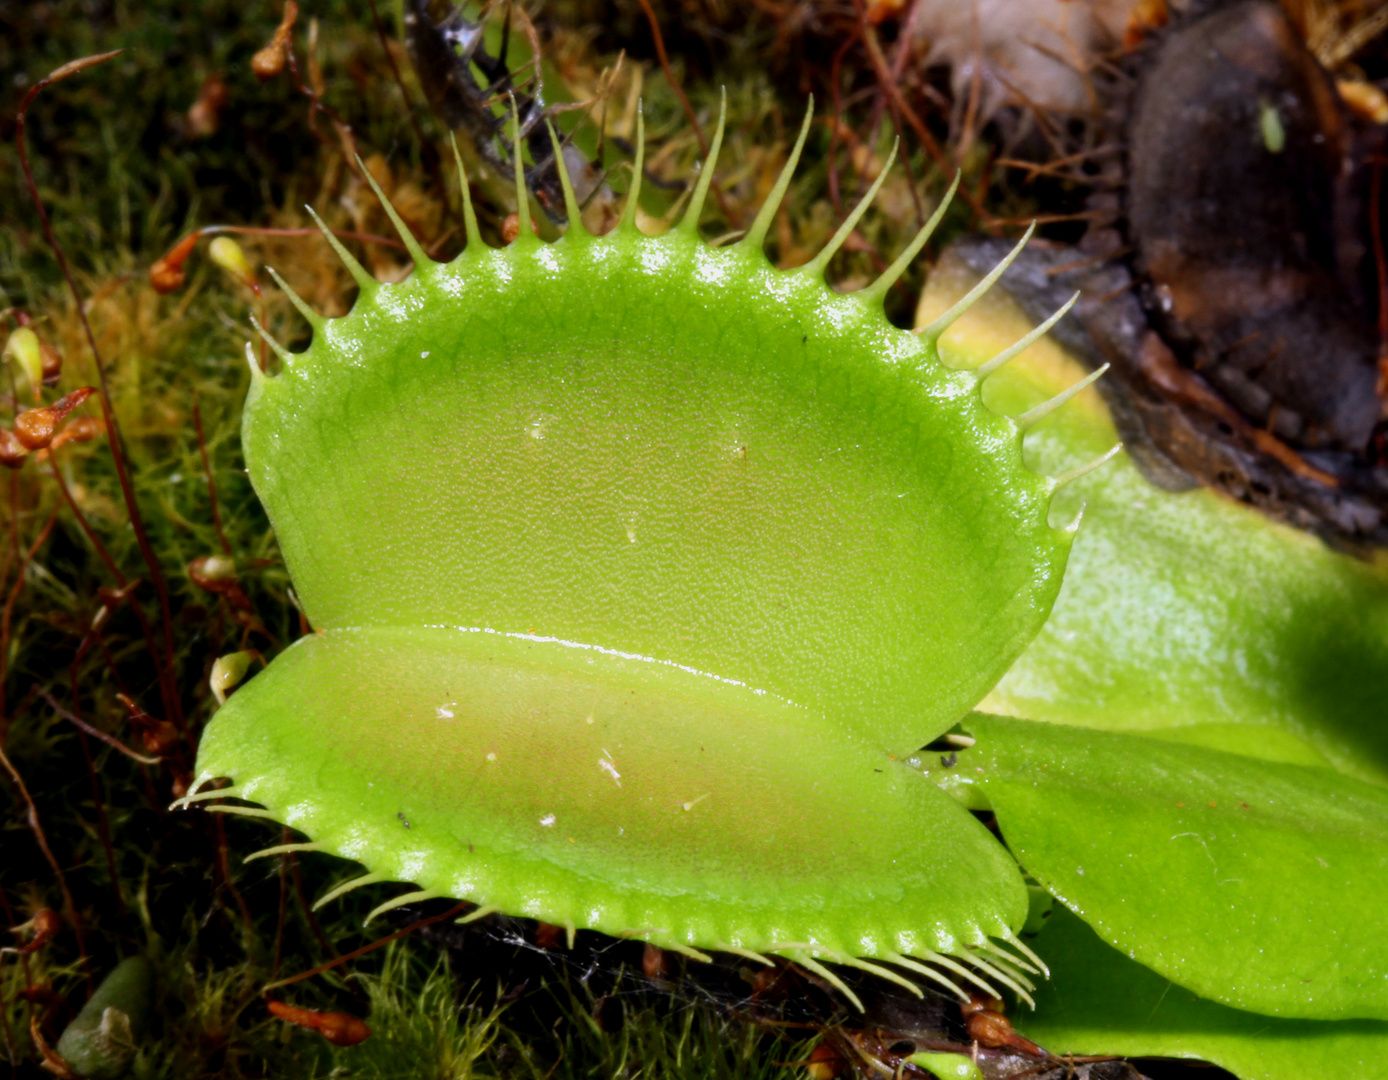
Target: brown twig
x: 96, y: 733
x: 454, y: 910
x: 1052, y: 167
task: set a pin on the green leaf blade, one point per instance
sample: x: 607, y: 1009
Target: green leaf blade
x: 676, y: 451
x: 1257, y: 884
x: 1100, y: 1002
x: 609, y: 792
x: 1178, y: 608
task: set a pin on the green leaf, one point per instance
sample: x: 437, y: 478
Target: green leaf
x: 1180, y: 609
x: 1186, y: 609
x: 1100, y: 1002
x: 757, y: 535
x: 1257, y: 884
x: 680, y: 452
x: 602, y: 791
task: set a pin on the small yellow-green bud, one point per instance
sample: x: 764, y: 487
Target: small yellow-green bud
x: 227, y: 672
x: 227, y: 253
x: 24, y: 348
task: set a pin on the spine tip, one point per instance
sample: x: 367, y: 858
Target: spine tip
x: 690, y: 221
x: 932, y: 331
x: 1013, y: 351
x: 365, y: 281
x: 1069, y: 476
x: 638, y: 170
x: 412, y: 245
x: 572, y: 210
x: 279, y: 350
x: 312, y: 317
x: 525, y: 230
x: 470, y: 231
x: 257, y: 376
x: 756, y: 234
x: 817, y: 266
x: 877, y: 291
x: 1029, y: 419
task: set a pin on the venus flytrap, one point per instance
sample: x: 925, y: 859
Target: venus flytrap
x: 636, y: 565
x: 639, y: 568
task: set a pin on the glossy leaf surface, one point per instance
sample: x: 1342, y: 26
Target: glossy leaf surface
x: 1254, y: 883
x: 749, y: 539
x: 648, y: 445
x: 608, y: 792
x: 1100, y: 1002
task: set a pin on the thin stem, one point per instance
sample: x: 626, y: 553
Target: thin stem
x: 82, y: 523
x: 224, y: 866
x: 96, y: 733
x: 307, y: 905
x: 286, y: 837
x: 207, y: 472
x: 113, y: 431
x: 36, y: 827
